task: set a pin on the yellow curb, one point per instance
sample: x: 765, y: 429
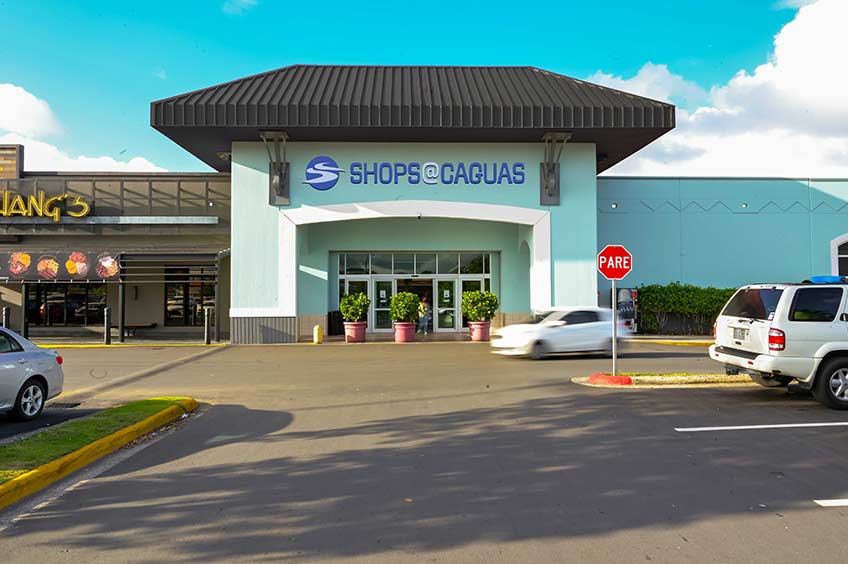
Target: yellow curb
x: 679, y: 343
x: 584, y: 381
x: 122, y: 345
x: 26, y: 484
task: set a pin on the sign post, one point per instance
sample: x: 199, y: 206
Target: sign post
x: 614, y: 263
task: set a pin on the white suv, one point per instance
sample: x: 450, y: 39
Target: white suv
x: 779, y: 332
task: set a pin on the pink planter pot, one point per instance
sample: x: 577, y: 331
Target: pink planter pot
x: 480, y: 330
x: 404, y: 332
x: 355, y: 331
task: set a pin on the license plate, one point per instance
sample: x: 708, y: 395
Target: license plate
x: 740, y: 334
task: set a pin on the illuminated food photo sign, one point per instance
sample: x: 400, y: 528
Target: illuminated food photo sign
x: 42, y: 205
x: 76, y: 265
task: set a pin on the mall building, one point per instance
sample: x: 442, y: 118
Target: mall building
x: 433, y: 180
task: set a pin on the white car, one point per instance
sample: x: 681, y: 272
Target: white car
x: 577, y: 329
x: 775, y: 333
x: 29, y: 376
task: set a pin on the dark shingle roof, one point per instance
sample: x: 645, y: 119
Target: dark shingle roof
x: 405, y: 103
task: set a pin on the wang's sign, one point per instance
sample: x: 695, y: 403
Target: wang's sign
x: 322, y: 173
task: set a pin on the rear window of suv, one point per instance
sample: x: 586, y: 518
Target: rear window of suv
x: 815, y: 304
x: 753, y: 303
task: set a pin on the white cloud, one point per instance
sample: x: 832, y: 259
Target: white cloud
x: 25, y: 119
x: 238, y: 7
x: 786, y: 118
x: 39, y: 155
x: 657, y: 82
x: 160, y: 73
x: 793, y: 4
x: 25, y: 114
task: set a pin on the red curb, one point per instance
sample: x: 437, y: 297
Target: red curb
x: 606, y: 379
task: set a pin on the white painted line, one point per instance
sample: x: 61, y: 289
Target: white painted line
x: 832, y: 502
x: 754, y: 427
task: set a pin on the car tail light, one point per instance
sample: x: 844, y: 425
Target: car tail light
x: 715, y: 325
x: 59, y: 359
x: 776, y: 340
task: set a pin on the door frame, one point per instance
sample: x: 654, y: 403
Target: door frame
x: 372, y: 313
x: 436, y: 298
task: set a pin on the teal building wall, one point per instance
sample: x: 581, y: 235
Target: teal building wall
x: 257, y: 250
x: 722, y: 232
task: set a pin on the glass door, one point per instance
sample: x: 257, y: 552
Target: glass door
x: 469, y: 285
x: 383, y: 292
x: 445, y: 310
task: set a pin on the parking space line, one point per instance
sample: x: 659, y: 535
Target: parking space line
x: 831, y: 502
x: 755, y: 427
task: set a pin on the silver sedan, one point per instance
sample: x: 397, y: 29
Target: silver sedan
x: 29, y: 376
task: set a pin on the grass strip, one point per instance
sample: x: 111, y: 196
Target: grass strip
x: 19, y: 457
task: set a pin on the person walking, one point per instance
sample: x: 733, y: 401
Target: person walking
x: 425, y: 314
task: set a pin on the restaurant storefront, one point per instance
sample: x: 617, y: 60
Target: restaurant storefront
x: 153, y: 248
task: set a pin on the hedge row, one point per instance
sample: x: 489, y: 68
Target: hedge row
x: 680, y: 308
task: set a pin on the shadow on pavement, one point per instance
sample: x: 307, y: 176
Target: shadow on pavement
x: 9, y: 427
x: 583, y: 463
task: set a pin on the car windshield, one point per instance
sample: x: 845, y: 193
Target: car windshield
x: 541, y: 316
x: 753, y: 303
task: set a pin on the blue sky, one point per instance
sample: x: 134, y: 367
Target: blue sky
x: 99, y: 64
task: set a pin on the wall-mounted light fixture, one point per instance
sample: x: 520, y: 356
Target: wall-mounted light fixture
x: 549, y: 170
x: 614, y: 205
x: 278, y: 167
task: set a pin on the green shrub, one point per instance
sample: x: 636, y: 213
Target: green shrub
x: 404, y: 307
x: 694, y: 307
x: 354, y: 307
x: 479, y: 306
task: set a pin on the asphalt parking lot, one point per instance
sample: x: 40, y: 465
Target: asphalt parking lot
x: 445, y: 453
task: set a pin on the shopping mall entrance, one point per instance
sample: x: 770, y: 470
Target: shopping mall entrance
x: 437, y: 278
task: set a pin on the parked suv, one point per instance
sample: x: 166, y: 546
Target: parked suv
x: 779, y: 332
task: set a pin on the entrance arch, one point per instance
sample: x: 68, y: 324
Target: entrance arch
x: 538, y: 220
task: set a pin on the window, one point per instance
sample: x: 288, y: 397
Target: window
x: 816, y: 304
x: 186, y: 298
x: 581, y: 317
x: 753, y: 303
x: 404, y: 263
x: 842, y: 256
x: 425, y: 263
x: 381, y: 263
x: 471, y: 263
x: 448, y: 263
x: 357, y: 263
x: 65, y: 304
x: 8, y: 344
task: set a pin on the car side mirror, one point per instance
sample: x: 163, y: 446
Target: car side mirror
x: 559, y: 323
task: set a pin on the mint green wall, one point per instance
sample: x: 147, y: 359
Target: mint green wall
x: 317, y: 273
x: 254, y: 236
x: 722, y: 231
x: 255, y: 246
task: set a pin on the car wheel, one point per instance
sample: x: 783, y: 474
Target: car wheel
x: 831, y: 386
x: 538, y: 350
x: 30, y: 401
x: 770, y: 382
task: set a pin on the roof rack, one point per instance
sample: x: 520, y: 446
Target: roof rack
x: 826, y: 280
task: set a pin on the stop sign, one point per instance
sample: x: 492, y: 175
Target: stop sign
x: 615, y: 262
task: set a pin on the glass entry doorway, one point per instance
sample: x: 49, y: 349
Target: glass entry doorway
x: 437, y: 278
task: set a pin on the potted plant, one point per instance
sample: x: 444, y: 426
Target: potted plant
x: 479, y: 307
x: 354, y: 309
x: 404, y: 312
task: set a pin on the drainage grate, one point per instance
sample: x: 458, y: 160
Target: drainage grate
x: 62, y: 405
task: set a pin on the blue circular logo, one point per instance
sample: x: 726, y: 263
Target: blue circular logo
x: 322, y: 173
